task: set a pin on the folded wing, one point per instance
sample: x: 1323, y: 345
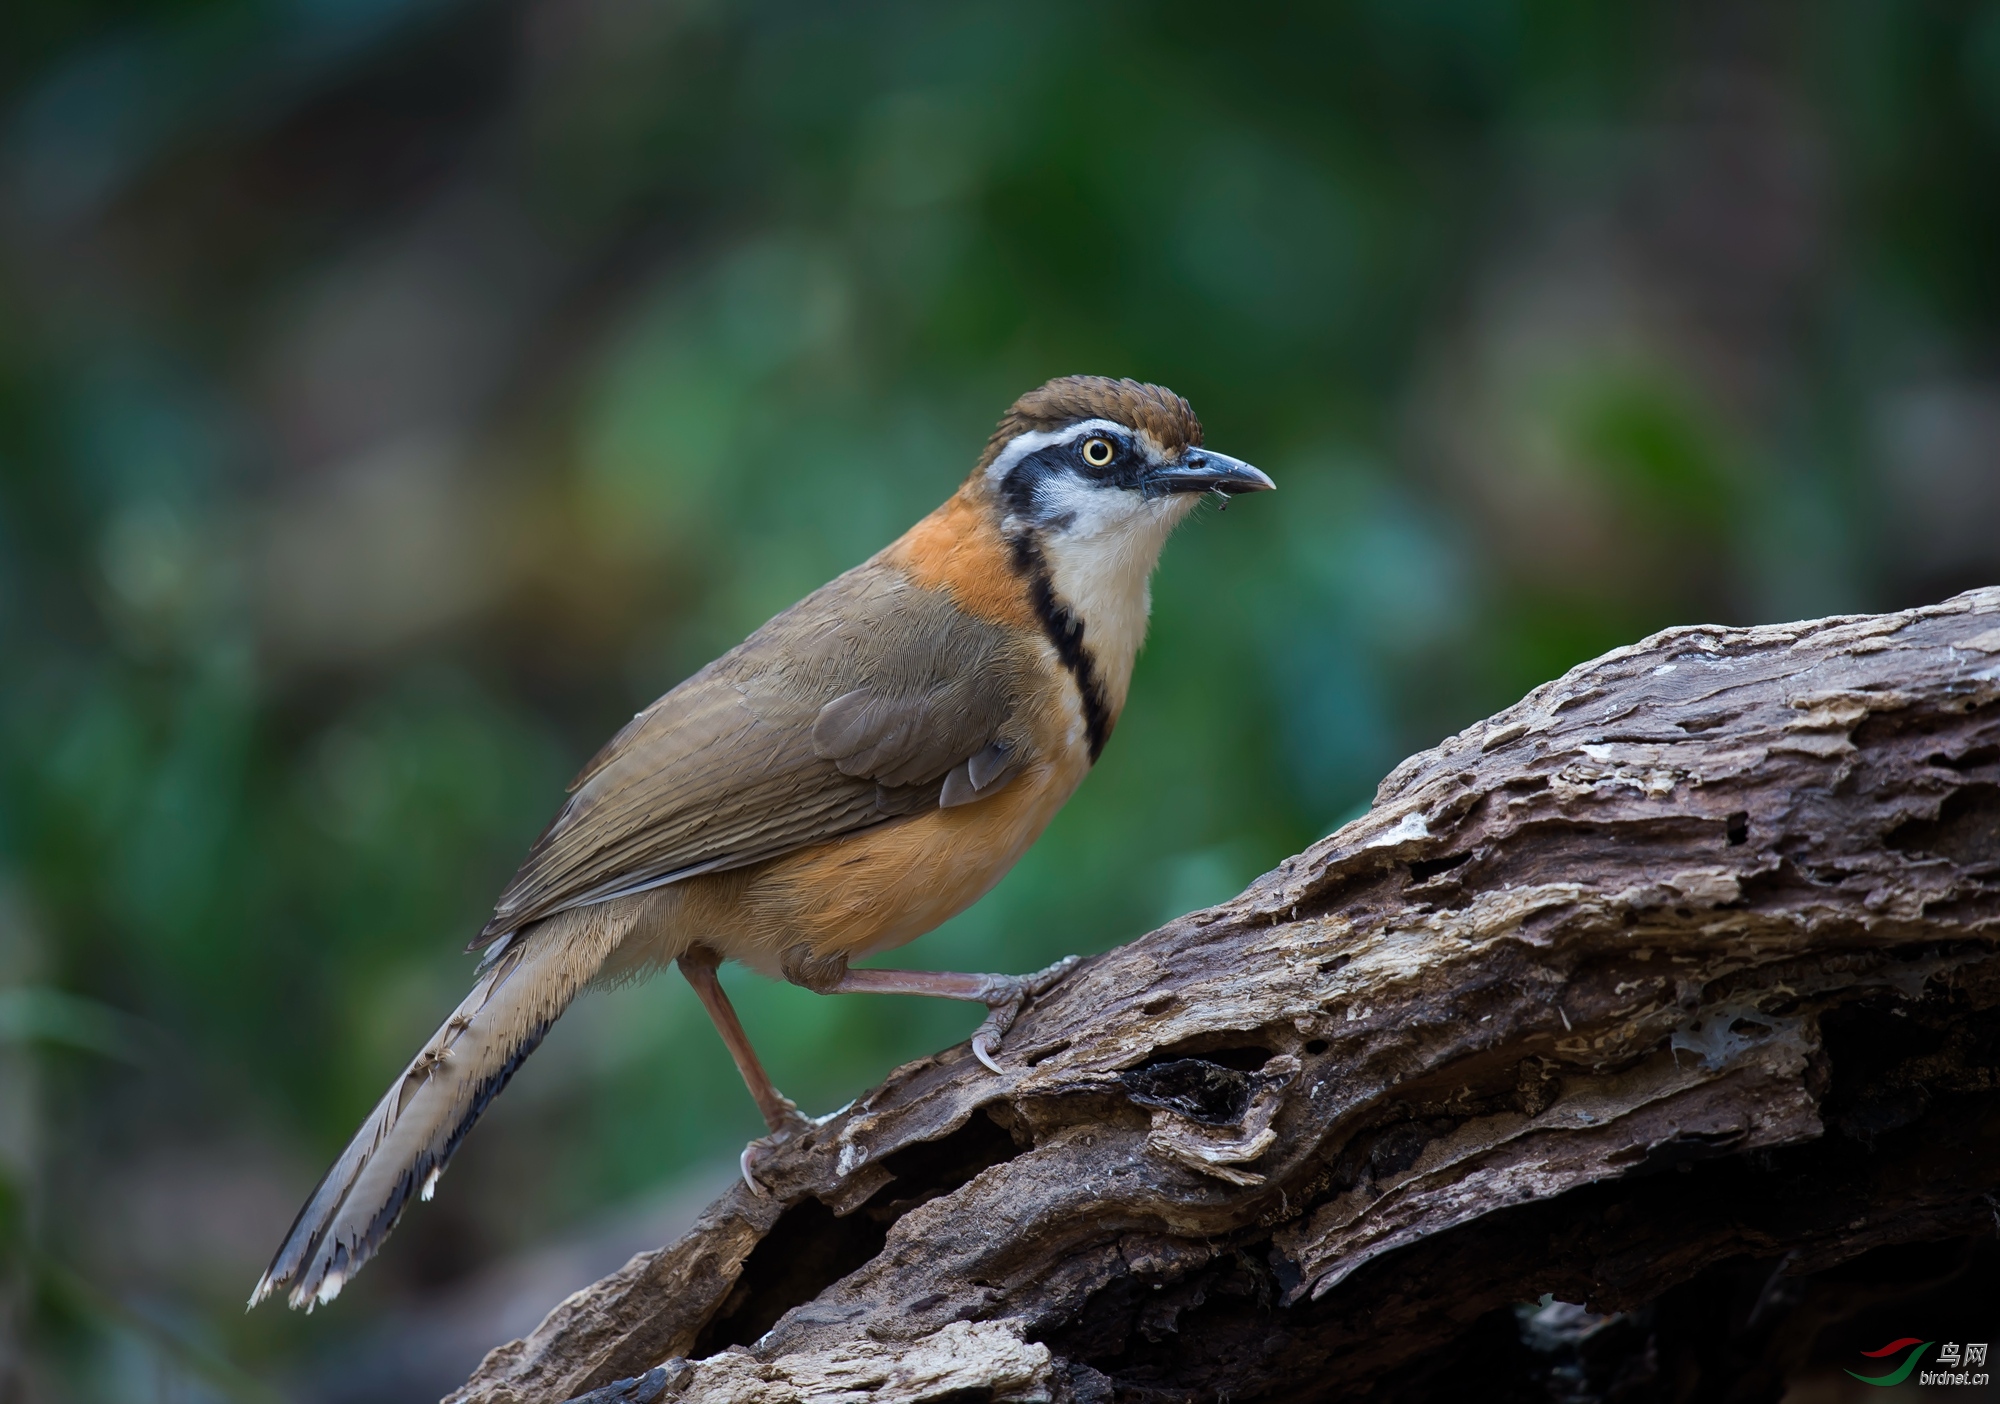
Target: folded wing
x: 868, y: 700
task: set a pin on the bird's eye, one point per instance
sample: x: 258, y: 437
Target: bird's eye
x: 1097, y: 452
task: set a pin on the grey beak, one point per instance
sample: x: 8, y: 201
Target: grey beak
x: 1203, y: 471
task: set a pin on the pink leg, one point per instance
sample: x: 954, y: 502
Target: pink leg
x: 1003, y: 995
x: 780, y: 1114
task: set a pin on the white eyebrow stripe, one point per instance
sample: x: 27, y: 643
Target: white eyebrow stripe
x: 1035, y: 440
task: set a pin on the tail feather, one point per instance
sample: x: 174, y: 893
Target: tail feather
x: 406, y: 1142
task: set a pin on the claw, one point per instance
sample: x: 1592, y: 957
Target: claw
x: 984, y: 1046
x: 795, y: 1122
x: 1007, y: 1005
x: 986, y: 1038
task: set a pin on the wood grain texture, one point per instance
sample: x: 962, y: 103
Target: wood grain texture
x: 1688, y: 963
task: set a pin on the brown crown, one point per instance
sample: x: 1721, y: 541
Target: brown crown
x: 1151, y: 409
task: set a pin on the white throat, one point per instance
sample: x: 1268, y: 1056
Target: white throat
x: 1100, y: 544
x: 1101, y: 567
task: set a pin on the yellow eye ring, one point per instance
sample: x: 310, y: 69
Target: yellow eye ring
x: 1097, y: 452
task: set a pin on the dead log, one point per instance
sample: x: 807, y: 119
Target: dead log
x: 1688, y: 964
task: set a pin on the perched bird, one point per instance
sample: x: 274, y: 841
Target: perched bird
x: 864, y: 766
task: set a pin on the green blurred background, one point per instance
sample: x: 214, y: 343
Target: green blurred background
x: 396, y: 394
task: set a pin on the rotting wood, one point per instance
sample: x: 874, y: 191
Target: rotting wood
x: 1688, y: 963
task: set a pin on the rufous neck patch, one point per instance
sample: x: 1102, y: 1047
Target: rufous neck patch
x: 959, y: 549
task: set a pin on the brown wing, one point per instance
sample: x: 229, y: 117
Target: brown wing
x: 868, y: 699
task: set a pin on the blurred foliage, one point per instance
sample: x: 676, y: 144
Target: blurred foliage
x: 396, y: 394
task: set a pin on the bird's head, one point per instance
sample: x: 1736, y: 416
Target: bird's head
x: 1087, y: 459
x: 1085, y: 479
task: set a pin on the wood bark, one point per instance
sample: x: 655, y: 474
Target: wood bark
x: 1663, y: 992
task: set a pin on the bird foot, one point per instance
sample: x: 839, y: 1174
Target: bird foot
x: 1010, y: 995
x: 764, y: 1147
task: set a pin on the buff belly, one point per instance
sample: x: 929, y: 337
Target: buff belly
x: 867, y: 892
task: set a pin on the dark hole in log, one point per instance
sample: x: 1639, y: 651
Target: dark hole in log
x: 1884, y: 1068
x: 1424, y: 869
x: 1967, y: 830
x: 806, y: 1251
x: 1317, y: 1046
x: 1976, y: 758
x: 1386, y: 1151
x: 931, y: 1169
x: 1398, y: 1147
x: 1737, y: 828
x: 1247, y: 1058
x: 1189, y: 1333
x: 809, y: 1248
x: 1195, y: 1087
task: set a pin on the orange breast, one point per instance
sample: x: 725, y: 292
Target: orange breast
x: 882, y: 887
x: 886, y: 886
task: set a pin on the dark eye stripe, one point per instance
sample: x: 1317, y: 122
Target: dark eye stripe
x: 1019, y: 489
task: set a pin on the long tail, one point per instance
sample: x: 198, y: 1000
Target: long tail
x: 406, y: 1142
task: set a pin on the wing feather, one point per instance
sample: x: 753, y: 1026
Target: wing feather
x: 849, y: 709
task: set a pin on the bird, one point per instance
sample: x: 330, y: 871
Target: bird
x: 863, y: 767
